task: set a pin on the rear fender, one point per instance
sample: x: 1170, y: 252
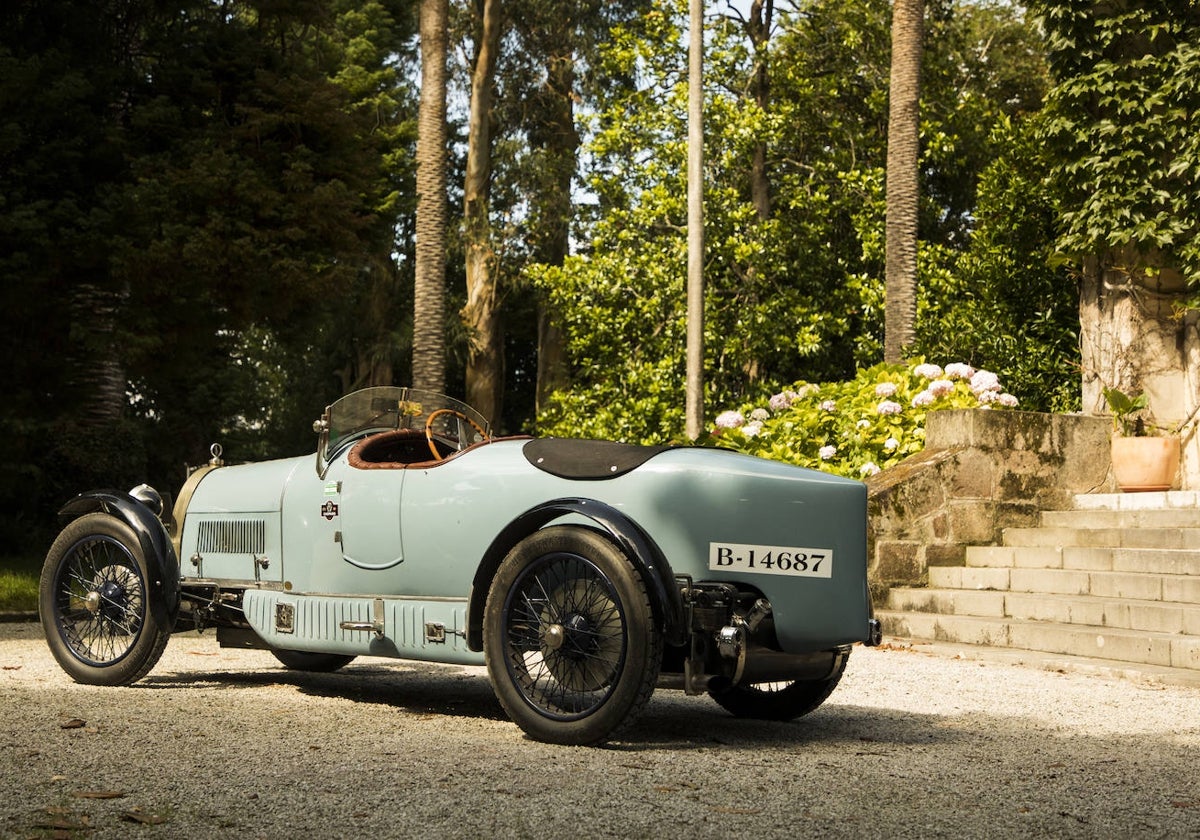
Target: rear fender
x: 152, y: 537
x: 646, y: 557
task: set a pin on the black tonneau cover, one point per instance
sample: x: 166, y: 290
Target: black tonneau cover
x: 587, y: 460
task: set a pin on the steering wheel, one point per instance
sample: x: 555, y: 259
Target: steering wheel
x: 438, y: 456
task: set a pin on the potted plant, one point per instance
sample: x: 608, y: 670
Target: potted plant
x: 1144, y: 457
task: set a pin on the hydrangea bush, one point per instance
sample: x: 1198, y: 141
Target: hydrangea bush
x: 859, y: 427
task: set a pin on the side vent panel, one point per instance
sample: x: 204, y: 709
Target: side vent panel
x: 232, y: 536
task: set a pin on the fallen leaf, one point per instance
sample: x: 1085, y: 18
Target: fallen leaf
x: 137, y: 815
x: 1195, y: 803
x: 11, y: 668
x: 72, y: 723
x: 98, y: 794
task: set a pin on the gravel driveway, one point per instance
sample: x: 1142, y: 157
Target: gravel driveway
x: 223, y: 743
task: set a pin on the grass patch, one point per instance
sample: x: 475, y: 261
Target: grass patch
x: 19, y: 583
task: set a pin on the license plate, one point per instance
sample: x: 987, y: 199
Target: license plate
x: 771, y: 560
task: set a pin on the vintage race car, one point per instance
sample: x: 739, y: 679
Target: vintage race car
x: 582, y: 573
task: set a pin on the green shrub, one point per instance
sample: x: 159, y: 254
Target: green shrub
x: 859, y: 427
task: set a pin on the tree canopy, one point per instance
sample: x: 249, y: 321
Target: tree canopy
x: 208, y: 215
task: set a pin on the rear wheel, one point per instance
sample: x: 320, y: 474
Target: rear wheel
x: 320, y: 663
x: 95, y: 604
x: 779, y: 700
x: 571, y: 644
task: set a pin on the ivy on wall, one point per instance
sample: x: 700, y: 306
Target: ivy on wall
x: 1122, y: 122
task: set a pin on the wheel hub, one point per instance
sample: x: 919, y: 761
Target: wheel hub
x: 108, y: 599
x: 572, y: 632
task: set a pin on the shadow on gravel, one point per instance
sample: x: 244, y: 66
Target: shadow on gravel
x: 671, y: 719
x: 441, y: 690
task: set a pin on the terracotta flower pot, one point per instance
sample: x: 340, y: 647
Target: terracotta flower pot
x: 1145, y: 463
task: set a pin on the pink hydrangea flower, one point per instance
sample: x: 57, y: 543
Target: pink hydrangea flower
x: 923, y: 399
x: 889, y: 407
x: 927, y: 370
x: 885, y: 389
x: 941, y: 387
x: 783, y: 400
x: 984, y: 380
x: 730, y: 420
x: 958, y: 370
x: 753, y: 428
x: 1007, y: 400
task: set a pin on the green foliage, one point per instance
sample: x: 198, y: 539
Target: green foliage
x: 1124, y: 123
x: 857, y: 427
x: 1002, y: 304
x: 797, y: 292
x: 1126, y: 411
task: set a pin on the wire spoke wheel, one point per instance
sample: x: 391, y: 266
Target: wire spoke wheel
x: 95, y: 604
x: 99, y: 600
x: 570, y: 639
x: 565, y: 636
x: 780, y: 700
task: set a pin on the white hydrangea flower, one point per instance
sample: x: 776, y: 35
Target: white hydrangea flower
x: 891, y: 444
x: 929, y: 371
x: 826, y: 452
x: 889, y: 407
x: 753, y: 428
x: 869, y: 468
x: 885, y: 389
x: 958, y: 370
x: 759, y: 414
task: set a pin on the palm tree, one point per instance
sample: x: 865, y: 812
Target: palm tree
x: 429, y: 293
x: 900, y: 307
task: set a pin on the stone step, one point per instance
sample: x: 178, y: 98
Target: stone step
x: 1061, y: 536
x: 1102, y: 518
x: 1144, y: 587
x: 1138, y: 501
x: 1118, y: 613
x: 1158, y: 649
x: 1158, y: 561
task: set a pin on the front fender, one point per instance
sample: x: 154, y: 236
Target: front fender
x: 633, y: 542
x: 152, y: 539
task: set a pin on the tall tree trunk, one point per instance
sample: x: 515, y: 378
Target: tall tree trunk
x: 481, y: 315
x: 900, y: 301
x: 97, y: 380
x: 759, y: 29
x: 560, y: 142
x: 429, y: 293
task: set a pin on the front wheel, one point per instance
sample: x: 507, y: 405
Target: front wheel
x: 570, y: 639
x: 782, y: 700
x: 95, y: 604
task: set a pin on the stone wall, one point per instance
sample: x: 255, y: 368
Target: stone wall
x: 981, y: 471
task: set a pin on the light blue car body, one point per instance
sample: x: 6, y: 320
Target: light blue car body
x: 336, y: 538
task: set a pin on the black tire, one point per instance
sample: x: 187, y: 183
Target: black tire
x: 95, y: 605
x: 779, y: 701
x: 317, y: 663
x: 570, y: 640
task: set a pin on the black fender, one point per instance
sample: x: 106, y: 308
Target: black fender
x: 633, y: 542
x: 152, y: 538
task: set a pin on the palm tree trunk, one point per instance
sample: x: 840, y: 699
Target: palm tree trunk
x: 900, y: 303
x: 429, y: 293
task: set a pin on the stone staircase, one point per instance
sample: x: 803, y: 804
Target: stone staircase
x: 1116, y: 580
